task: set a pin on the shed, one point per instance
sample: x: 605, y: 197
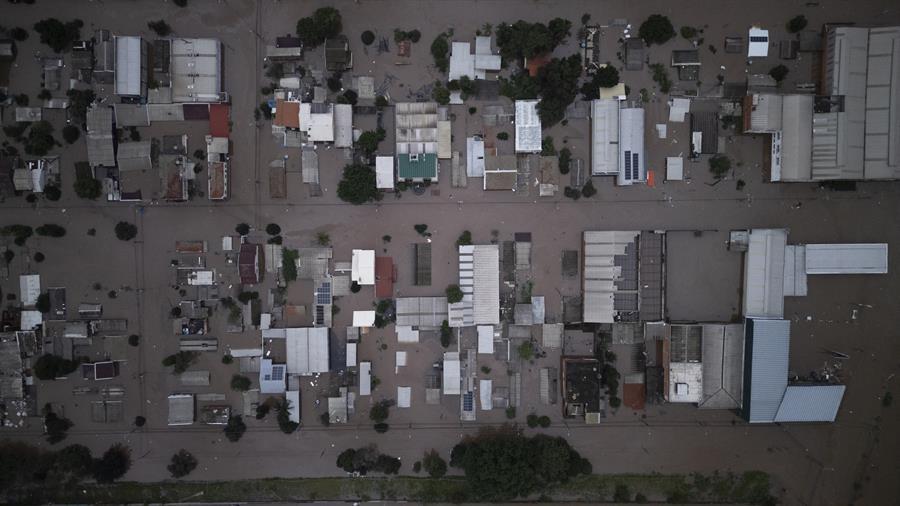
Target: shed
x: 759, y: 43
x: 128, y: 115
x: 181, y: 409
x: 674, y: 168
x: 364, y: 318
x: 194, y: 378
x: 365, y: 378
x: 384, y: 172
x: 485, y: 339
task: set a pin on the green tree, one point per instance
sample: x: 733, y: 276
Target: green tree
x: 547, y: 147
x: 325, y: 23
x: 160, y: 27
x: 289, y: 264
x: 559, y: 29
x: 19, y: 34
x: 440, y: 51
x: 688, y: 32
x: 381, y: 101
x: 588, y: 189
x: 446, y: 334
x: 182, y: 464
x: 58, y: 35
x: 604, y: 77
x: 272, y: 229
x: 242, y: 229
x: 79, y: 101
x: 48, y: 367
x: 465, y: 238
x: 369, y: 140
x: 50, y: 230
x: 502, y: 136
x: 565, y: 160
x: 55, y: 427
x: 88, y: 187
x: 40, y: 139
x: 779, y: 72
x: 526, y: 40
x: 367, y: 37
x: 52, y: 192
x: 657, y: 29
x: 125, y: 231
x: 380, y: 411
x: 434, y: 465
x: 181, y: 361
x: 526, y: 350
x: 440, y: 94
x: 454, y: 294
x: 358, y: 185
x: 116, y: 461
x: 719, y: 165
x: 73, y: 460
x: 235, y: 428
x: 240, y: 383
x: 558, y: 83
x: 283, y: 415
x: 797, y: 23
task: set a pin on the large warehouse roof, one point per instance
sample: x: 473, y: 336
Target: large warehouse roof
x: 604, y: 137
x: 847, y: 258
x: 766, y: 348
x: 764, y: 274
x: 486, y: 278
x: 307, y: 350
x: 196, y: 66
x: 631, y: 146
x: 604, y: 274
x: 131, y: 77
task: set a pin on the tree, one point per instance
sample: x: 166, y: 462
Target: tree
x: 74, y: 460
x: 289, y: 264
x: 58, y: 35
x: 588, y: 189
x: 48, y: 367
x: 434, y: 465
x: 381, y: 101
x: 622, y: 493
x: 657, y: 29
x: 440, y: 50
x: 272, y: 229
x: 182, y: 464
x: 368, y: 458
x: 39, y: 257
x: 160, y: 27
x: 79, y: 101
x: 180, y: 3
x: 565, y: 160
x: 797, y: 23
x: 531, y: 420
x: 367, y: 37
x: 240, y: 383
x: 242, y: 229
x: 779, y: 72
x: 446, y: 334
x: 719, y: 165
x: 235, y: 428
x: 19, y: 34
x: 348, y: 97
x: 558, y: 84
x: 87, y: 187
x: 527, y: 40
x: 325, y: 23
x: 688, y: 32
x: 380, y: 411
x: 465, y: 238
x: 52, y: 192
x: 56, y: 427
x: 50, y: 230
x: 246, y: 297
x: 323, y: 239
x: 547, y: 147
x: 544, y: 421
x: 358, y: 185
x: 139, y: 421
x: 502, y: 136
x: 454, y: 294
x: 283, y: 415
x: 440, y: 94
x: 180, y: 361
x: 421, y: 229
x: 604, y: 77
x: 134, y: 340
x: 369, y: 140
x: 125, y: 231
x: 40, y: 139
x: 116, y: 461
x: 559, y: 30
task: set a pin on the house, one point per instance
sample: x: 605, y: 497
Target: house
x: 338, y: 57
x: 134, y: 156
x: 704, y: 133
x: 249, y: 261
x: 307, y: 350
x: 363, y: 267
x: 474, y: 66
x: 100, y: 148
x: 759, y: 43
x: 417, y: 141
x: 500, y: 172
x: 181, y: 409
x: 528, y: 127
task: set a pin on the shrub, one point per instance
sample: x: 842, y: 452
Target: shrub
x: 19, y: 34
x: 53, y: 193
x: 440, y: 94
x: 227, y: 359
x: 125, y: 231
x: 454, y: 294
x: 446, y: 334
x: 622, y: 493
x: 88, y: 187
x: 367, y: 37
x: 235, y: 428
x: 473, y: 110
x: 779, y: 72
x: 547, y: 147
x: 565, y: 160
x: 719, y: 165
x: 511, y: 412
x: 355, y: 287
x: 465, y: 238
x: 242, y: 229
x: 39, y: 257
x: 440, y: 50
x: 56, y: 427
x: 139, y: 421
x: 240, y: 383
x: 434, y: 465
x: 160, y: 27
x: 657, y: 29
x: 544, y: 421
x: 420, y: 228
x: 502, y: 136
x: 289, y: 264
x: 797, y: 23
x: 688, y: 32
x: 262, y: 410
x: 588, y: 190
x: 182, y: 464
x: 48, y: 367
x: 50, y: 230
x: 116, y: 461
x: 180, y: 361
x: 532, y: 420
x: 134, y: 340
x: 381, y: 427
x: 661, y: 77
x: 272, y: 229
x: 414, y: 36
x: 380, y: 411
x: 71, y: 133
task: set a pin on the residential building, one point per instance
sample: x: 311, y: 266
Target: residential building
x: 479, y: 65
x: 249, y: 261
x: 417, y: 141
x: 528, y: 127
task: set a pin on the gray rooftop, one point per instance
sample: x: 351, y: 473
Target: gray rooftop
x: 810, y: 403
x: 766, y: 348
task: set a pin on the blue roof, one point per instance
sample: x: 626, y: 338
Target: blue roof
x: 766, y: 348
x: 810, y: 403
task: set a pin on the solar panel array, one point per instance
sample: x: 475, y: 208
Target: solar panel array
x: 323, y: 294
x: 468, y: 401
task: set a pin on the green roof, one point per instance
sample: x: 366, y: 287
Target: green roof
x: 423, y: 168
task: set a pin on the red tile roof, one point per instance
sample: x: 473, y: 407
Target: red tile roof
x: 287, y: 113
x: 384, y: 277
x: 634, y: 395
x: 218, y: 120
x: 248, y: 263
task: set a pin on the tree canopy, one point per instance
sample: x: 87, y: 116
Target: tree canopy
x: 369, y: 140
x: 116, y: 461
x: 365, y: 459
x: 454, y: 294
x: 58, y: 35
x: 182, y: 464
x: 358, y: 185
x: 656, y: 29
x: 440, y: 50
x: 325, y: 23
x: 235, y: 428
x: 558, y: 82
x: 527, y: 40
x: 40, y: 139
x: 503, y: 464
x: 126, y: 231
x: 604, y: 77
x: 48, y: 367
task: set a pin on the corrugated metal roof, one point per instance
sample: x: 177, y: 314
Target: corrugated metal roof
x: 810, y: 403
x: 462, y: 61
x: 882, y: 130
x: 131, y: 115
x: 417, y: 166
x: 767, y: 344
x: 796, y: 138
x: 451, y: 374
x: 604, y: 272
x: 764, y: 274
x: 181, y: 409
x: 765, y: 112
x: 631, y: 146
x: 422, y: 312
x: 847, y: 258
x: 130, y: 66
x: 528, y: 127
x: 444, y: 149
x: 723, y: 366
x: 307, y: 350
x: 486, y: 293
x: 99, y: 120
x: 343, y: 125
x: 604, y: 137
x: 384, y: 172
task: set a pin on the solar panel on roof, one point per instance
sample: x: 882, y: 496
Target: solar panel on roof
x: 323, y: 296
x: 628, y: 165
x: 759, y: 39
x: 277, y: 373
x: 635, y: 165
x: 468, y: 401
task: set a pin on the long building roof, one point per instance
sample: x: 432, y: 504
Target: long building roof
x: 604, y: 137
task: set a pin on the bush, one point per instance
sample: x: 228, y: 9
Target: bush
x: 134, y: 340
x: 380, y: 411
x: 289, y: 264
x: 414, y: 36
x: 532, y: 420
x: 71, y: 134
x: 125, y: 231
x: 661, y: 77
x: 139, y: 421
x: 160, y: 27
x: 39, y: 257
x: 446, y: 334
x: 688, y: 32
x: 116, y: 461
x: 615, y: 402
x: 55, y: 427
x: 381, y: 427
x: 779, y: 72
x: 235, y: 428
x: 272, y: 229
x: 719, y: 165
x: 454, y: 294
x: 526, y: 350
x: 227, y: 359
x: 544, y: 421
x: 355, y: 287
x: 565, y: 160
x: 421, y: 228
x: 50, y: 230
x: 262, y: 410
x: 358, y: 185
x: 547, y: 147
x: 240, y: 383
x: 367, y: 37
x: 242, y: 229
x: 465, y: 238
x: 88, y: 187
x: 48, y: 367
x: 58, y: 35
x: 510, y: 412
x: 53, y: 193
x: 657, y: 29
x: 434, y: 465
x: 19, y: 34
x: 588, y: 190
x: 440, y: 51
x: 182, y: 464
x: 502, y: 136
x: 797, y: 23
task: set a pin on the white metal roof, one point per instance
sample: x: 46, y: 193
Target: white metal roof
x: 363, y: 318
x: 486, y: 339
x: 343, y: 125
x: 29, y: 288
x: 847, y: 258
x: 604, y: 137
x: 30, y: 319
x: 307, y: 350
x: 810, y: 403
x: 351, y: 354
x: 631, y: 146
x: 486, y: 293
x: 384, y: 172
x: 678, y: 108
x: 406, y: 334
x: 795, y: 271
x: 404, y: 395
x: 451, y: 378
x: 363, y: 266
x: 674, y: 168
x: 485, y: 393
x: 195, y: 68
x: 882, y: 130
x: 528, y: 127
x: 758, y: 43
x: 245, y: 352
x: 474, y: 157
x: 462, y: 62
x: 365, y: 378
x: 764, y: 274
x: 272, y: 377
x: 128, y: 66
x: 181, y: 409
x: 768, y: 367
x: 796, y: 138
x: 319, y: 126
